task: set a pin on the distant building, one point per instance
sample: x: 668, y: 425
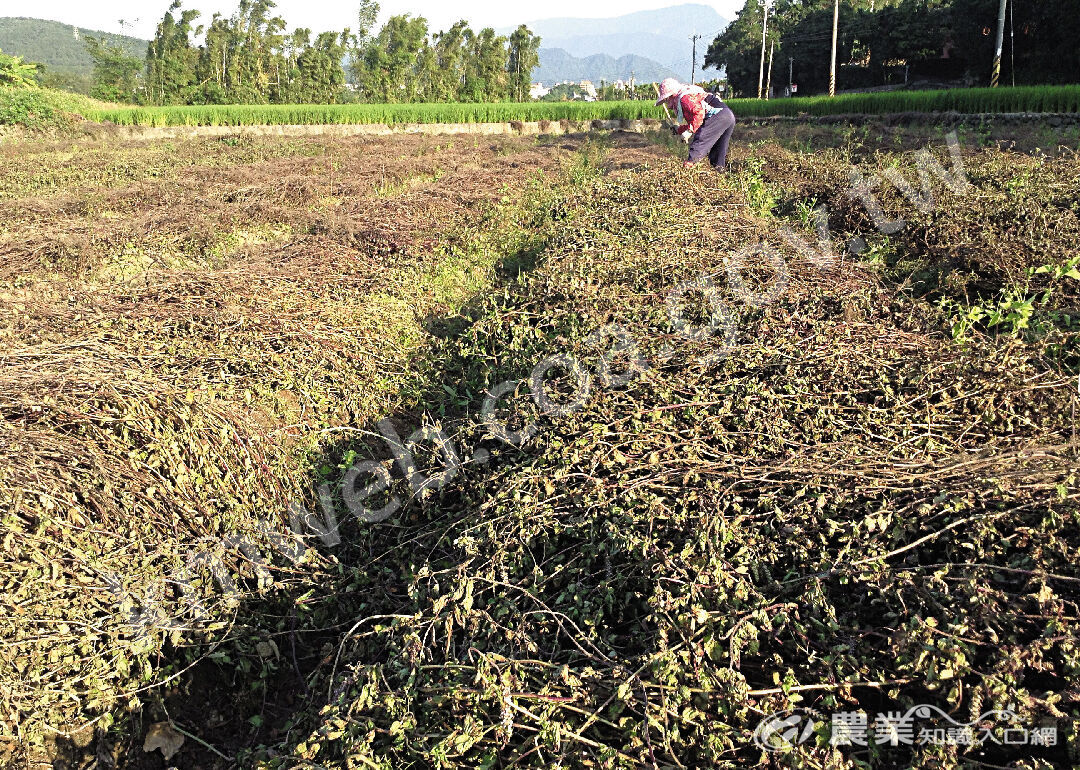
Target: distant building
x: 537, y: 91
x: 587, y: 88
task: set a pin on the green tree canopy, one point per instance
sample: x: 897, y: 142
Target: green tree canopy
x: 947, y: 39
x: 15, y: 72
x: 116, y: 75
x: 171, y: 60
x: 523, y: 57
x: 250, y: 57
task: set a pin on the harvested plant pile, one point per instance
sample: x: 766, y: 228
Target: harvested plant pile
x: 839, y: 507
x: 178, y: 325
x: 849, y: 511
x: 1000, y: 256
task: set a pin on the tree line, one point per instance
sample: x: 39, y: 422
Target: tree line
x: 252, y: 58
x: 883, y: 42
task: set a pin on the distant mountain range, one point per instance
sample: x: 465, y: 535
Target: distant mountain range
x: 659, y: 40
x: 556, y: 65
x: 60, y: 47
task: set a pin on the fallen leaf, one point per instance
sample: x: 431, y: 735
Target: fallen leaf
x: 162, y: 735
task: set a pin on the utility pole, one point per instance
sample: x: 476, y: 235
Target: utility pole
x: 995, y: 77
x: 835, y: 29
x: 693, y: 58
x: 768, y: 86
x: 1012, y: 41
x: 790, y: 74
x: 764, y: 32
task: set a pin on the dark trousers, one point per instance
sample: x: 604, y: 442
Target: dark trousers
x: 713, y: 138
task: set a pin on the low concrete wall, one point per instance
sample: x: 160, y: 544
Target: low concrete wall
x: 518, y: 128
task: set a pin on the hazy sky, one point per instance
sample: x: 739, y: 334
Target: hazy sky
x: 321, y: 15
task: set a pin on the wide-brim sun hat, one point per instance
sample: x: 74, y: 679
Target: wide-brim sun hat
x: 668, y: 88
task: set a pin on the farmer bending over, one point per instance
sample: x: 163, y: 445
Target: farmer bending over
x: 705, y: 116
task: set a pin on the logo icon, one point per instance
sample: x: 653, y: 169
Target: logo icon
x: 785, y: 730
